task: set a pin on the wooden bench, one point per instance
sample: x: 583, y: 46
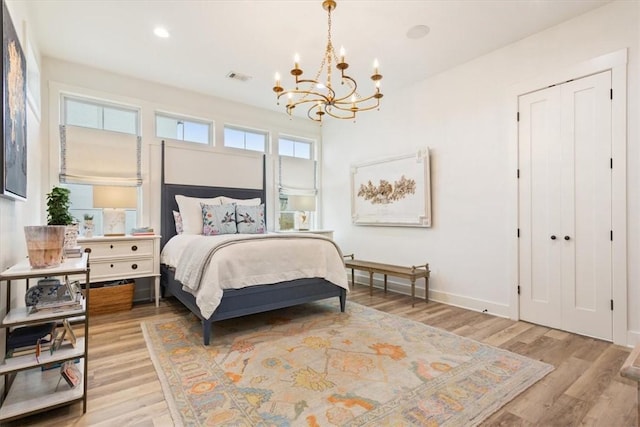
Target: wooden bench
x: 631, y: 369
x: 412, y: 273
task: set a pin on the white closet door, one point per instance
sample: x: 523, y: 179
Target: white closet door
x: 540, y: 196
x: 565, y: 206
x: 586, y: 206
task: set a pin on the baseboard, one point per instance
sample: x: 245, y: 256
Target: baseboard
x: 633, y: 338
x: 467, y: 303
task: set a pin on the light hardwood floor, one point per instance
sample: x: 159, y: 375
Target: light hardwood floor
x: 585, y: 388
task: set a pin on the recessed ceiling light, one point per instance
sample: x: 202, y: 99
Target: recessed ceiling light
x: 418, y: 31
x: 161, y: 32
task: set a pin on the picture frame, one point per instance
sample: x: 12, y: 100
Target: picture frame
x: 287, y: 220
x: 394, y: 191
x: 68, y: 330
x: 74, y: 289
x: 13, y: 127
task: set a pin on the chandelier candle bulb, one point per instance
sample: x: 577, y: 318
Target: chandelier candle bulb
x: 342, y: 53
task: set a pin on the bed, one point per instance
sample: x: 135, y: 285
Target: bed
x: 242, y: 301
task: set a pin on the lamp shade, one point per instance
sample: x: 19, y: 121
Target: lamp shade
x: 302, y: 203
x: 115, y: 197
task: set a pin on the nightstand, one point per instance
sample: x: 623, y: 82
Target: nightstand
x: 326, y: 233
x: 124, y: 257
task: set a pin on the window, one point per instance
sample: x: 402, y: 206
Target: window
x: 245, y: 139
x: 296, y: 183
x: 81, y: 198
x: 97, y: 115
x: 182, y: 129
x: 100, y: 145
x: 295, y: 148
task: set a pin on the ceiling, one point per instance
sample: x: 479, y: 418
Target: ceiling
x: 258, y: 38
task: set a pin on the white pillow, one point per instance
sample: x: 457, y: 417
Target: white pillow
x: 242, y: 202
x: 191, y: 212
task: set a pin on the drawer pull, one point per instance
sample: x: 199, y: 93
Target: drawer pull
x: 111, y: 265
x: 110, y: 246
x: 134, y: 248
x: 134, y: 266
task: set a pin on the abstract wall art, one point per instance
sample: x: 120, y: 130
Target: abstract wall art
x: 13, y: 155
x: 394, y: 191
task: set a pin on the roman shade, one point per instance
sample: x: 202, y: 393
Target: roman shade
x: 297, y: 176
x: 99, y: 157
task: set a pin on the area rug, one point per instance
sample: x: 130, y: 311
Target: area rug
x: 312, y: 365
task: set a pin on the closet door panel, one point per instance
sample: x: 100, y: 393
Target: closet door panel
x: 586, y: 208
x: 539, y: 222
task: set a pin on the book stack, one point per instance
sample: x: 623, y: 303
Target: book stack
x: 142, y: 231
x: 30, y: 339
x: 73, y: 252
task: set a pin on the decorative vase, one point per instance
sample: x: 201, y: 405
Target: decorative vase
x: 71, y: 235
x: 44, y: 244
x: 88, y: 228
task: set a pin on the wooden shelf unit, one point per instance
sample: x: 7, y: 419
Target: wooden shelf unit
x: 28, y: 389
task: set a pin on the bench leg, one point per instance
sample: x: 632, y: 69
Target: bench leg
x: 638, y: 403
x: 413, y: 292
x: 371, y: 283
x: 426, y: 289
x: 353, y: 278
x: 385, y: 283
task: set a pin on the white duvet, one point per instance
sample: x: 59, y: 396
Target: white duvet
x: 205, y: 265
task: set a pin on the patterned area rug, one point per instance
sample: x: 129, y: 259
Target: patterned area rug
x: 311, y: 365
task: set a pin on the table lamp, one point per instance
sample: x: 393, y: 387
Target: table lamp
x: 114, y: 200
x: 303, y: 205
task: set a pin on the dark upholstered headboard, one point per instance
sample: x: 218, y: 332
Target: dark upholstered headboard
x: 169, y: 192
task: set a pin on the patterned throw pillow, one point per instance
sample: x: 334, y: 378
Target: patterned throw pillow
x: 178, y: 220
x: 191, y: 212
x: 218, y: 219
x: 250, y: 219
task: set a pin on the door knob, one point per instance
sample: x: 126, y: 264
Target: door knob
x: 567, y: 238
x: 553, y: 237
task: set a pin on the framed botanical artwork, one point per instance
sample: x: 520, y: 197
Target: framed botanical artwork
x: 13, y: 155
x: 395, y: 191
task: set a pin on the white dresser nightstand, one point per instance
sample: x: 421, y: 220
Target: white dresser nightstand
x: 124, y: 257
x: 326, y: 233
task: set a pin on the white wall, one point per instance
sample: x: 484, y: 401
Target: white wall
x: 465, y: 116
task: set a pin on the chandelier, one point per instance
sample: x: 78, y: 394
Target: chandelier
x: 320, y: 94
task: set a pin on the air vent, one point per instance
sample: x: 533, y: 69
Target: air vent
x: 238, y: 76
